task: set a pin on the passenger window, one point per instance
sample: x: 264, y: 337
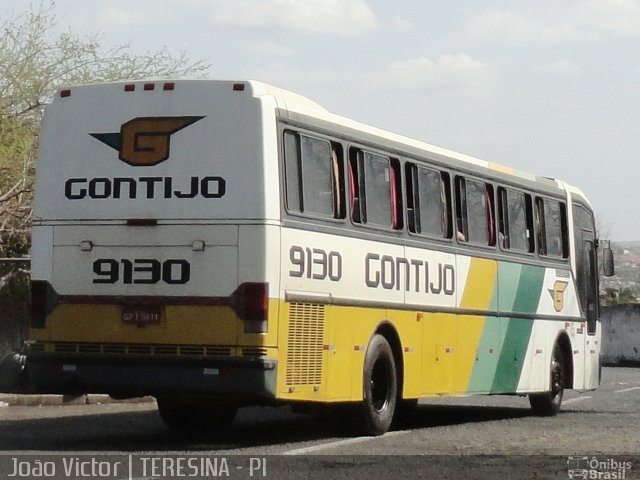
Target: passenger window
x: 475, y: 212
x: 374, y: 189
x: 428, y: 201
x: 551, y: 228
x: 313, y: 176
x: 516, y: 221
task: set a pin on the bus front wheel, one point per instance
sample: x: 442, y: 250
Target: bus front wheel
x: 379, y: 389
x: 548, y: 403
x: 182, y: 414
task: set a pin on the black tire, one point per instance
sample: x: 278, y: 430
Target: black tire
x: 184, y: 414
x: 380, y: 389
x: 547, y: 404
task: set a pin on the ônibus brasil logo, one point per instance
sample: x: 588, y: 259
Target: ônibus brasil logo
x: 145, y: 141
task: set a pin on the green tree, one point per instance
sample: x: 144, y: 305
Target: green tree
x: 34, y: 63
x: 613, y: 296
x: 626, y: 295
x: 609, y: 297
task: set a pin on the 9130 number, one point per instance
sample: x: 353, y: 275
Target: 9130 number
x: 315, y: 263
x: 141, y: 271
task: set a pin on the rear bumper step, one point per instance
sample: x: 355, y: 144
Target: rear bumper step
x: 249, y: 380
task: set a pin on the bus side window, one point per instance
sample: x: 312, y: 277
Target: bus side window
x: 293, y: 184
x: 516, y: 220
x: 540, y: 227
x: 461, y: 210
x: 491, y: 217
x: 395, y: 194
x: 552, y: 228
x: 413, y: 203
x: 313, y: 175
x: 475, y: 212
x: 377, y: 192
x: 503, y: 220
x: 354, y: 186
x: 428, y: 195
x: 375, y: 189
x: 337, y: 171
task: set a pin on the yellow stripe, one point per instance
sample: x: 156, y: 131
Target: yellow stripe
x: 477, y: 295
x: 180, y: 324
x: 501, y: 168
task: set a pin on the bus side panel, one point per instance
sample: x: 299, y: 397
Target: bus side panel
x: 479, y: 294
x: 592, y: 357
x: 438, y: 361
x: 521, y: 301
x: 535, y: 376
x: 434, y: 282
x: 322, y: 349
x: 558, y: 298
x: 325, y: 325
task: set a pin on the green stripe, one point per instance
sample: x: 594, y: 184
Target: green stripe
x: 517, y: 330
x: 486, y: 364
x: 484, y: 368
x: 529, y: 289
x: 508, y: 280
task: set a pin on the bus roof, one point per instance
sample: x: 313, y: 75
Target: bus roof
x: 293, y: 102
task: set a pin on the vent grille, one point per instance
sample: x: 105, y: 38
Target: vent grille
x: 114, y: 349
x: 192, y: 350
x: 217, y: 351
x: 131, y: 349
x: 140, y: 349
x: 306, y: 337
x: 254, y: 352
x: 37, y: 347
x: 165, y: 350
x: 88, y: 348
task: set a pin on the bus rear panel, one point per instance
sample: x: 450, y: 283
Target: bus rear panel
x: 151, y: 225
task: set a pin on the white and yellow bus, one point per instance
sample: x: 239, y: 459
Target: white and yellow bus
x: 218, y: 244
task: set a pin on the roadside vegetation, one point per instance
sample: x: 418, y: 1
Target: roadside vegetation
x: 35, y: 61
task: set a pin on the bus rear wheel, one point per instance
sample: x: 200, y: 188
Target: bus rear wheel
x: 380, y: 389
x: 547, y: 404
x: 183, y: 414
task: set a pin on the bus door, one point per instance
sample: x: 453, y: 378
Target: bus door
x: 587, y: 283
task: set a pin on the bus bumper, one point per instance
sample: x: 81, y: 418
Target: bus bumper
x: 243, y: 380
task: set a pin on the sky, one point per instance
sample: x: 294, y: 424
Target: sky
x: 549, y: 87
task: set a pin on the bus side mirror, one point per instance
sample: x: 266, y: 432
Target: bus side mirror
x: 607, y: 262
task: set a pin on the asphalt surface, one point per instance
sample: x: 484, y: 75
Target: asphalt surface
x: 596, y: 435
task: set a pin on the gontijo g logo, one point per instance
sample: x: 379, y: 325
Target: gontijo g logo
x: 145, y: 141
x: 557, y: 294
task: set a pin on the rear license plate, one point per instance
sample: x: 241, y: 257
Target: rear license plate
x: 141, y: 316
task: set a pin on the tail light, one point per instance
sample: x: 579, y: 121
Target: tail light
x: 43, y: 299
x: 250, y: 301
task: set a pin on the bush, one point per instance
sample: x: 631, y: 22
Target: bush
x: 14, y: 311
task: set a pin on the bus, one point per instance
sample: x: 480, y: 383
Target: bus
x: 218, y: 244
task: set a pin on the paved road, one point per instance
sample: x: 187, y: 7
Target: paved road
x: 478, y: 437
